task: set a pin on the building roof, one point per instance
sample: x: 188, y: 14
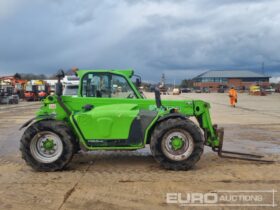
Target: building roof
x: 231, y: 74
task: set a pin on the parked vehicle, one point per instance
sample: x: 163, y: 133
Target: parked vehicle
x: 36, y: 90
x: 51, y: 83
x: 269, y: 90
x: 176, y: 91
x: 197, y: 90
x: 31, y: 93
x: 256, y: 90
x: 221, y: 89
x: 186, y: 90
x: 205, y: 90
x: 70, y: 90
x: 163, y: 90
x: 7, y: 94
x: 15, y: 82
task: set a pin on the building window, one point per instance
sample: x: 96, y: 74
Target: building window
x: 213, y: 79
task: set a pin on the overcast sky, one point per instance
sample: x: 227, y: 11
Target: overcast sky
x: 175, y: 37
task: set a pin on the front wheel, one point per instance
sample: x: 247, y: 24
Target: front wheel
x: 177, y: 144
x: 47, y: 145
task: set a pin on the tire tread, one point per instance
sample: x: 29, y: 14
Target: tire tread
x: 174, y: 123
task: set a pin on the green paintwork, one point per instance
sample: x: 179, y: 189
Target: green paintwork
x: 177, y: 143
x: 48, y: 144
x: 111, y: 118
x: 108, y: 121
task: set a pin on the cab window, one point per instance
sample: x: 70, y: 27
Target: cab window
x: 106, y: 86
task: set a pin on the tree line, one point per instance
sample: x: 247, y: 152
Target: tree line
x: 30, y: 76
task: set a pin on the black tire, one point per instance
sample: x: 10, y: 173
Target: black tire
x: 185, y: 126
x: 67, y: 139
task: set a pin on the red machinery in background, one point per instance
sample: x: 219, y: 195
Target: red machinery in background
x: 17, y: 84
x: 36, y: 90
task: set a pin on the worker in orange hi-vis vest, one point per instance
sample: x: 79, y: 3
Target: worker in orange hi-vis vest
x: 232, y: 96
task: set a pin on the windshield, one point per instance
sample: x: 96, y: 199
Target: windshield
x: 28, y: 88
x: 102, y: 85
x: 41, y: 87
x: 70, y: 90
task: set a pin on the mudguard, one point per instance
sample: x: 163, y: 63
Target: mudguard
x: 40, y: 117
x: 172, y: 115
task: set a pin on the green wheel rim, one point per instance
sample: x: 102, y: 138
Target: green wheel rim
x: 46, y: 147
x: 177, y: 145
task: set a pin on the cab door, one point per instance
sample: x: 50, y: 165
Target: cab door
x: 106, y: 121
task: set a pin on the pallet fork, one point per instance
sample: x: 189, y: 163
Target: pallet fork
x: 236, y: 155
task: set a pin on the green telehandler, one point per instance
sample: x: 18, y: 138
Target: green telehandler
x: 109, y: 113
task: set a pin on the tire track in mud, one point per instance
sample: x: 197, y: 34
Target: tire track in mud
x: 137, y: 168
x: 6, y: 161
x: 251, y: 181
x: 118, y: 168
x: 72, y: 189
x: 11, y: 118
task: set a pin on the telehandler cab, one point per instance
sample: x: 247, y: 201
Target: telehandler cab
x: 109, y: 113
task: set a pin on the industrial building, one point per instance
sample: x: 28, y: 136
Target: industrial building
x: 240, y: 79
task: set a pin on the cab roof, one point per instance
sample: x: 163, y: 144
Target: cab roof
x: 128, y: 72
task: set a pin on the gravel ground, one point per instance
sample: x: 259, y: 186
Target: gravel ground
x: 133, y: 180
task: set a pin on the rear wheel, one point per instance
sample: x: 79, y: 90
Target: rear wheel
x: 177, y: 144
x: 47, y: 145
